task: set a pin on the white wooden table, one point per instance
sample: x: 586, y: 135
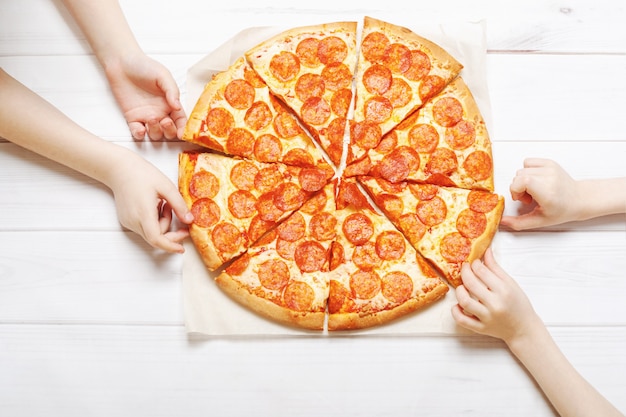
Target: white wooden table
x: 91, y: 320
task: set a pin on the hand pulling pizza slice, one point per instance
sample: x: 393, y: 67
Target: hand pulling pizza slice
x: 376, y: 275
x: 235, y: 201
x: 284, y: 276
x: 445, y: 142
x: 448, y: 226
x: 237, y: 115
x: 311, y: 70
x: 397, y: 72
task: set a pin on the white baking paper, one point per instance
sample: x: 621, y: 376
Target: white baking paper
x: 210, y: 312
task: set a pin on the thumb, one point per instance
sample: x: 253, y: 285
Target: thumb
x: 526, y: 221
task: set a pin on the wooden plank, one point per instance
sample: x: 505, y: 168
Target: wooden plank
x: 31, y: 26
x: 117, y: 370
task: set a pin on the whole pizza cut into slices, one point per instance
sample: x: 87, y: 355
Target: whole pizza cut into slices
x: 235, y: 201
x: 445, y: 142
x: 311, y: 69
x: 397, y: 72
x: 449, y: 226
x: 376, y: 275
x: 237, y: 115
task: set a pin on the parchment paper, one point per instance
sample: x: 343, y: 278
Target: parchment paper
x: 207, y: 310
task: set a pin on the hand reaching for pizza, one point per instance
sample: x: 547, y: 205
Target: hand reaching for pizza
x: 554, y: 197
x: 148, y: 96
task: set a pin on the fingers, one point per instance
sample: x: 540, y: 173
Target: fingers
x: 176, y: 202
x: 137, y: 130
x: 526, y: 221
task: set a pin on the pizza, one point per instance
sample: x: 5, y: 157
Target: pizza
x: 449, y: 226
x: 339, y: 187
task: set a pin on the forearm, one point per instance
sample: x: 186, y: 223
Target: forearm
x: 570, y: 394
x: 601, y: 197
x: 105, y: 26
x: 31, y: 122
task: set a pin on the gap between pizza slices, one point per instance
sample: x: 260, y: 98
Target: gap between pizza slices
x: 299, y: 246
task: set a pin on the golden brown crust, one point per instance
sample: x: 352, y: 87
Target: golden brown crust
x: 481, y: 243
x: 238, y: 292
x: 354, y: 321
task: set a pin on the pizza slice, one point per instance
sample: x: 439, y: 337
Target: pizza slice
x: 237, y: 115
x: 445, y: 143
x: 284, y: 275
x: 397, y: 72
x: 448, y: 226
x: 375, y: 274
x: 235, y: 201
x: 311, y: 69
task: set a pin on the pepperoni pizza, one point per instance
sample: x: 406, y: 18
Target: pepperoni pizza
x: 293, y: 237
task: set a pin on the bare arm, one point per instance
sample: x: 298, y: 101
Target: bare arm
x: 144, y: 196
x: 143, y: 88
x: 558, y: 198
x: 491, y: 303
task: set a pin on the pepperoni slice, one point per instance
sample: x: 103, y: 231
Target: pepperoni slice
x: 388, y: 143
x: 432, y: 212
x: 204, y: 184
x: 365, y: 284
x: 298, y: 296
x: 377, y: 79
x: 288, y: 196
x: 337, y: 76
x: 482, y: 201
x: 242, y: 175
x: 315, y: 111
x: 447, y: 111
x: 258, y: 227
x: 358, y: 228
x: 312, y: 179
x: 323, y: 226
x: 267, y: 179
x: 267, y: 148
x: 242, y: 204
x: 227, y: 238
x: 478, y: 165
x: 336, y: 255
x: 239, y: 94
x: 258, y: 116
x: 315, y: 204
x: 286, y: 125
x: 390, y: 187
x: 412, y: 227
x: 390, y: 245
x: 397, y: 58
x: 399, y: 94
x: 267, y: 208
x: 461, y: 136
x: 339, y: 298
x: 219, y: 122
x: 340, y: 102
x: 307, y: 52
x: 240, y: 142
x: 423, y: 191
x: 392, y: 205
x: 332, y: 49
x: 366, y: 257
x: 286, y: 249
x: 309, y: 85
x: 397, y: 287
x: 253, y: 78
x: 430, y: 86
x: 455, y: 247
x: 239, y: 265
x: 284, y: 66
x: 267, y: 239
x: 423, y: 138
x: 274, y: 274
x: 298, y: 157
x: 397, y: 165
x: 374, y: 45
x: 442, y: 161
x: 205, y: 212
x: 293, y: 228
x: 310, y: 256
x: 420, y: 66
x: 471, y: 224
x: 378, y: 109
x: 366, y: 135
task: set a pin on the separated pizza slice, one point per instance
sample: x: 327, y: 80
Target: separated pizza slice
x: 235, y: 201
x: 397, y: 72
x: 375, y: 274
x: 311, y: 69
x: 448, y: 226
x: 445, y: 142
x: 284, y: 276
x: 237, y: 115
